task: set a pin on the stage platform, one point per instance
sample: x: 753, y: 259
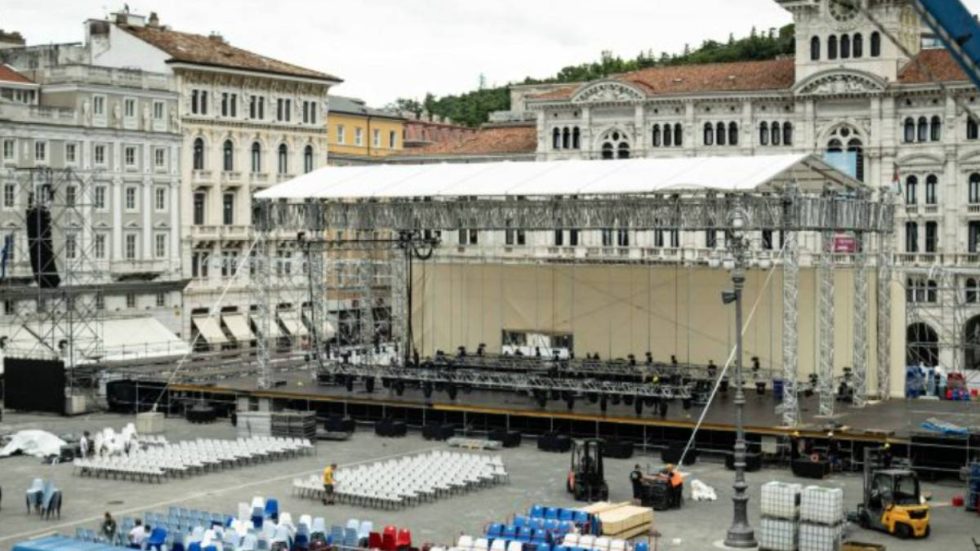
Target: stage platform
x: 894, y: 420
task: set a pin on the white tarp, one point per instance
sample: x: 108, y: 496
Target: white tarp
x: 139, y: 338
x: 577, y: 177
x: 38, y: 443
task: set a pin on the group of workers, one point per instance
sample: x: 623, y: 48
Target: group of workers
x: 668, y: 477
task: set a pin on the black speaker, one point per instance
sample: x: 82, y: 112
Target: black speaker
x: 39, y: 243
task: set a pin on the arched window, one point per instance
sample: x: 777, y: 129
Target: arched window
x: 845, y: 46
x: 973, y: 195
x: 732, y: 133
x: 787, y: 133
x: 857, y: 46
x: 576, y: 138
x: 607, y: 151
x: 720, y: 134
x: 556, y: 139
x: 935, y: 129
x: 815, y: 48
x: 834, y: 146
x: 308, y: 159
x: 854, y: 146
x: 777, y: 136
x: 199, y: 154
x: 911, y: 190
x: 763, y: 133
x: 875, y: 44
x: 909, y: 130
x: 256, y: 157
x: 668, y: 137
x: 566, y: 138
x: 971, y: 291
x: 228, y: 154
x: 972, y: 128
x: 283, y: 159
x: 656, y: 135
x: 709, y: 134
x: 832, y: 47
x: 623, y: 151
x: 932, y: 185
x: 923, y: 129
x: 678, y: 135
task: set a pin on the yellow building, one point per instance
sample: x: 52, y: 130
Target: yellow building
x: 358, y: 134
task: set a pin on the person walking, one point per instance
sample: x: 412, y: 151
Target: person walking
x: 328, y: 483
x: 109, y: 528
x: 636, y: 479
x: 84, y: 444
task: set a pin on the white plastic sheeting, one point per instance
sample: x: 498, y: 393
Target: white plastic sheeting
x: 550, y: 178
x: 38, y: 443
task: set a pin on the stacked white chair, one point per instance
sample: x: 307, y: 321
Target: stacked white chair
x: 409, y: 480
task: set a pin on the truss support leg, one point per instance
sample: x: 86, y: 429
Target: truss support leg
x: 860, y: 356
x: 791, y: 298
x: 884, y: 317
x: 400, y: 287
x: 261, y: 283
x: 825, y: 381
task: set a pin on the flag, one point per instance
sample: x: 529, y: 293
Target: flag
x: 896, y: 181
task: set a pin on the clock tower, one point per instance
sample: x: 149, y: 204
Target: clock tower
x: 838, y: 34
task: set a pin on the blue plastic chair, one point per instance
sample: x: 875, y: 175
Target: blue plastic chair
x: 495, y: 530
x: 565, y: 514
x: 350, y: 537
x: 524, y: 534
x: 538, y: 523
x: 539, y: 537
x: 194, y: 546
x: 509, y: 532
x: 536, y: 511
x: 158, y: 536
x: 551, y: 525
x: 580, y: 517
x: 520, y: 521
x: 641, y: 546
x: 551, y: 513
x: 272, y: 509
x: 542, y: 547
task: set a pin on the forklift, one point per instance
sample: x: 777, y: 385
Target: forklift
x: 892, y: 501
x: 586, y: 477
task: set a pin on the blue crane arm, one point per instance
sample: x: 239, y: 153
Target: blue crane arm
x: 957, y: 29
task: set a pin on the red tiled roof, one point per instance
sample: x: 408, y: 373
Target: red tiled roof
x: 7, y: 74
x: 934, y: 63
x: 494, y: 140
x: 773, y: 74
x: 204, y: 50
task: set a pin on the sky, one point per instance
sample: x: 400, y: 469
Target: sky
x: 387, y: 49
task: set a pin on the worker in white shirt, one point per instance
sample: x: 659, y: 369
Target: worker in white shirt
x: 84, y: 444
x: 138, y: 535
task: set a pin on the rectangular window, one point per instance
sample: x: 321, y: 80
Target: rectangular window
x: 99, y: 154
x: 932, y: 236
x: 376, y: 138
x: 160, y: 198
x: 391, y: 139
x: 711, y: 238
x: 98, y: 105
x: 100, y: 197
x: 261, y: 108
x: 130, y: 300
x: 767, y: 240
x: 607, y: 238
x: 160, y: 157
x: 194, y: 102
x: 70, y: 153
x: 71, y: 246
x: 233, y: 103
x: 228, y: 209
x: 280, y: 109
x: 358, y: 136
x: 253, y: 107
x: 204, y: 102
x: 158, y: 110
x: 658, y: 238
x: 161, y: 300
x: 623, y: 238
x: 224, y: 104
x: 9, y: 196
x: 129, y: 108
x: 9, y: 149
x: 973, y: 237
x: 289, y: 110
x: 160, y: 245
x: 911, y: 237
x: 129, y: 155
x: 100, y: 240
x: 559, y: 238
x: 675, y: 238
x: 40, y: 151
x: 573, y: 238
x: 130, y: 249
x: 131, y: 198
x: 71, y: 195
x: 199, y: 208
x: 340, y: 134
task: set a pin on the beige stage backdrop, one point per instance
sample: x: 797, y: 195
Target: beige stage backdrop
x: 619, y: 310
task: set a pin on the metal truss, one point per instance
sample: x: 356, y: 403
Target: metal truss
x: 512, y: 382
x: 791, y: 299
x: 46, y: 318
x: 825, y: 274
x: 685, y: 213
x: 859, y: 373
x: 884, y: 309
x: 935, y: 297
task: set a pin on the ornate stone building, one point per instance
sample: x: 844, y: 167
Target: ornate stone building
x: 876, y: 108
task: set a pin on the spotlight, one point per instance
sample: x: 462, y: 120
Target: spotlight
x: 451, y: 391
x: 638, y: 406
x: 399, y: 387
x: 628, y: 399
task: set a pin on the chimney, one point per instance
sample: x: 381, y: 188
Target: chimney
x: 154, y: 20
x: 215, y: 36
x: 129, y: 19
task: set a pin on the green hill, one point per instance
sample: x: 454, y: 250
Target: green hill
x: 473, y: 108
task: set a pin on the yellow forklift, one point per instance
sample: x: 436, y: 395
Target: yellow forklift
x: 892, y: 500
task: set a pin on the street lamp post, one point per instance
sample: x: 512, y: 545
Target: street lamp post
x: 740, y: 534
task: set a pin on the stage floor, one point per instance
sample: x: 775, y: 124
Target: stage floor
x: 897, y: 418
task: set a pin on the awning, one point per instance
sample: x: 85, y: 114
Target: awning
x: 327, y: 328
x: 293, y: 324
x: 140, y: 338
x: 274, y: 331
x: 238, y: 327
x: 210, y: 329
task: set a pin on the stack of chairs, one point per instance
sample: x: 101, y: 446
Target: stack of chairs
x: 43, y: 498
x: 410, y: 480
x: 541, y: 529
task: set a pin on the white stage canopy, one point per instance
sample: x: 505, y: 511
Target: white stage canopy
x: 767, y: 173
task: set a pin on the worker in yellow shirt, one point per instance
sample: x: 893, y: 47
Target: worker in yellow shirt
x: 328, y: 483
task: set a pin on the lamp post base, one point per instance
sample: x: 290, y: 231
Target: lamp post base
x: 740, y: 537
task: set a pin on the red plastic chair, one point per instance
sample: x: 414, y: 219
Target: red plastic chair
x: 388, y: 538
x: 404, y: 538
x: 375, y: 541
